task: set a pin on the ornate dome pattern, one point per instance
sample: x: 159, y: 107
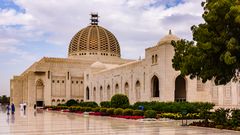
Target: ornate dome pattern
x: 94, y: 40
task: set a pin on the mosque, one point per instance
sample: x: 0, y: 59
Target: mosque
x: 95, y: 71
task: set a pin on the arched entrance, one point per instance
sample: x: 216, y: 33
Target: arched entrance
x: 126, y: 89
x: 180, y: 89
x: 155, y: 86
x: 87, y: 93
x: 101, y: 93
x: 116, y: 89
x: 39, y: 93
x: 108, y: 93
x: 94, y: 94
x: 137, y: 88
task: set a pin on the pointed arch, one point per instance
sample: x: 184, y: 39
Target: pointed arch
x: 108, y: 92
x: 137, y: 90
x: 94, y: 93
x: 39, y: 93
x: 101, y: 93
x: 87, y: 93
x: 180, y: 89
x: 126, y: 89
x: 155, y: 86
x: 116, y: 88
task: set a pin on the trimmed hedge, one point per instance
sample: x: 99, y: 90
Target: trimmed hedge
x: 119, y: 101
x: 106, y: 104
x: 103, y: 110
x: 128, y: 112
x: 118, y: 111
x: 138, y: 113
x: 110, y: 111
x: 150, y: 114
x: 88, y: 104
x: 174, y: 107
x: 97, y: 109
x: 71, y: 102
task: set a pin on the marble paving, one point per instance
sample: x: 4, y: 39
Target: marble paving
x: 51, y: 123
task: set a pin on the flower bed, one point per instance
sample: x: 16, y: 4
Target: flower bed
x: 96, y: 113
x: 128, y: 117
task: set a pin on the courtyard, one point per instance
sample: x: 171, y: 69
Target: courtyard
x: 50, y: 122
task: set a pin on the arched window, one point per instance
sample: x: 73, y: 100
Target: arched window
x: 137, y: 90
x: 126, y: 89
x: 101, y: 93
x: 152, y: 59
x: 108, y: 92
x: 94, y: 94
x: 156, y: 58
x: 116, y: 89
x: 155, y: 86
x: 39, y: 93
x: 180, y: 89
x: 87, y: 93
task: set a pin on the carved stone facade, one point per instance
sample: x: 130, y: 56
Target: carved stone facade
x: 94, y: 71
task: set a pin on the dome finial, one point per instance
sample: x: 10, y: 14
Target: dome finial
x: 94, y: 18
x: 170, y: 32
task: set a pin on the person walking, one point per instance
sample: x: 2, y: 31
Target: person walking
x: 8, y: 109
x: 24, y: 106
x: 13, y: 108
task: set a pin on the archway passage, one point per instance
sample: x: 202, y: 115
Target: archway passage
x: 101, y: 93
x: 180, y: 89
x: 138, y: 88
x: 116, y: 89
x: 94, y: 94
x: 108, y: 93
x: 126, y: 89
x: 87, y: 93
x: 155, y: 86
x: 39, y: 93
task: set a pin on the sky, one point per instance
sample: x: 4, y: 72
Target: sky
x: 32, y: 29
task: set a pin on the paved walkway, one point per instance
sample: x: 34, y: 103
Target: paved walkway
x: 49, y: 123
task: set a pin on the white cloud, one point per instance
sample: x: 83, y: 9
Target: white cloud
x: 137, y: 24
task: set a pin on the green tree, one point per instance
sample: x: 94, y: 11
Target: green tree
x: 215, y: 51
x: 5, y: 99
x: 119, y: 101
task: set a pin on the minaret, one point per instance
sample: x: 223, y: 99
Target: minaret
x: 94, y: 18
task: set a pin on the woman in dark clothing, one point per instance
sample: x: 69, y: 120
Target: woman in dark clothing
x: 13, y: 108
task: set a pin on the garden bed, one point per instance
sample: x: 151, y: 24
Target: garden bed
x: 213, y: 125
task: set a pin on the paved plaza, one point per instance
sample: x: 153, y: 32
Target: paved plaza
x: 49, y: 123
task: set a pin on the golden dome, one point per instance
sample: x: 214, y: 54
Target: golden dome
x: 94, y: 40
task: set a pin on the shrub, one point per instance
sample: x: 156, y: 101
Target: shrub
x: 128, y: 112
x: 119, y: 101
x: 103, y: 110
x: 88, y: 104
x: 118, y: 111
x: 110, y: 111
x: 97, y: 109
x: 88, y: 109
x: 106, y: 104
x: 174, y: 107
x: 150, y: 114
x: 220, y: 116
x: 235, y: 118
x: 74, y: 108
x: 138, y: 113
x: 71, y: 102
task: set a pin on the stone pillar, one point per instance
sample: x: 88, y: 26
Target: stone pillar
x: 48, y: 88
x: 68, y: 86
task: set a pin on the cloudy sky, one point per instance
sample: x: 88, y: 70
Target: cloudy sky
x: 32, y: 29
